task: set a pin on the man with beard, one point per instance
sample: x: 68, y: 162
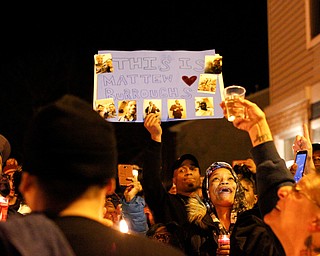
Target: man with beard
x: 168, y: 207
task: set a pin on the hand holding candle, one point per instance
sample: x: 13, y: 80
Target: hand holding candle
x: 223, y: 245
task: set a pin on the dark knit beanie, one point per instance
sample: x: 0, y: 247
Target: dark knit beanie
x: 68, y: 140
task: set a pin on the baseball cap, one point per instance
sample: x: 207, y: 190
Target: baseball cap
x: 177, y: 163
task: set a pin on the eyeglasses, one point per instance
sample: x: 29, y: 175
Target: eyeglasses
x: 297, y: 189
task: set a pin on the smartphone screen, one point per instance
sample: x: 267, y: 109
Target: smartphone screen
x: 300, y: 160
x: 124, y: 171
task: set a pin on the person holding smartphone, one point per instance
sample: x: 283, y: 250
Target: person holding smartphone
x: 133, y: 205
x: 303, y: 150
x: 300, y: 160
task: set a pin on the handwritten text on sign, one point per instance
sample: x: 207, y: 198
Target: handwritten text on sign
x: 133, y: 83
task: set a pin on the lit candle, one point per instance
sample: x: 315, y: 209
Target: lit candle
x: 223, y: 240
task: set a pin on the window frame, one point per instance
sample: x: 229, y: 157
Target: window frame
x: 310, y: 41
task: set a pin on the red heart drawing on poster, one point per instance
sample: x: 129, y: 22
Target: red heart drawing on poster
x: 189, y: 80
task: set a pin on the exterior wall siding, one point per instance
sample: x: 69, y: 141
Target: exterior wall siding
x: 287, y: 120
x: 290, y: 63
x: 294, y: 68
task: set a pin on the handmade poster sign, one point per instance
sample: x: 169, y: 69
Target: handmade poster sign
x: 176, y: 85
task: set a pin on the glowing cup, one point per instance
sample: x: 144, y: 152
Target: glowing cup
x: 231, y: 96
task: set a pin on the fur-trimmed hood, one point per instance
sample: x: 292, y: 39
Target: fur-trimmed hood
x: 196, y: 212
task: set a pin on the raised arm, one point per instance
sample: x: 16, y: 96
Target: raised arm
x: 272, y: 172
x: 304, y: 143
x: 255, y: 122
x: 153, y: 124
x: 155, y: 193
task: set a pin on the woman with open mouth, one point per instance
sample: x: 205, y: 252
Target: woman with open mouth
x: 223, y: 200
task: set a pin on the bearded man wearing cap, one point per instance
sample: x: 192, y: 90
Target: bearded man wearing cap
x: 69, y: 166
x: 167, y: 207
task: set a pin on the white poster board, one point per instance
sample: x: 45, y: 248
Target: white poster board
x: 177, y: 85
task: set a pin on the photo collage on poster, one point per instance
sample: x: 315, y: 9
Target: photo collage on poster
x: 121, y: 98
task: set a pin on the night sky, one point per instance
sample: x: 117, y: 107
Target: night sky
x: 50, y: 52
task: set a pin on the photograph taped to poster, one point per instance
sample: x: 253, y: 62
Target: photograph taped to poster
x: 128, y: 85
